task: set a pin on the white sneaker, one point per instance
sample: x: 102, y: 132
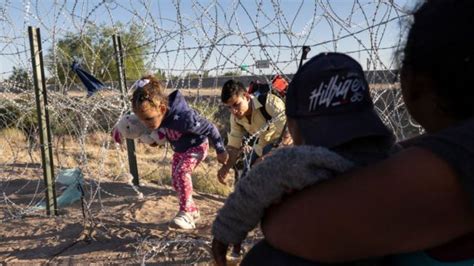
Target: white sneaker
x: 184, y: 220
x: 196, y: 215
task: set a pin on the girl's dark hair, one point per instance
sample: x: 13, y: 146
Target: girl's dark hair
x: 152, y: 93
x: 440, y: 46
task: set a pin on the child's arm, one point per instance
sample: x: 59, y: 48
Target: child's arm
x: 267, y: 182
x: 202, y: 126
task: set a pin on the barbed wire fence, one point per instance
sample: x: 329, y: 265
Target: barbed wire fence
x: 191, y: 45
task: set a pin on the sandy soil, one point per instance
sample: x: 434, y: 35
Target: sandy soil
x: 117, y: 228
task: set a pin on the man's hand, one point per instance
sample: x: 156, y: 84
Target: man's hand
x: 219, y: 252
x: 222, y: 174
x: 232, y: 155
x: 222, y: 157
x: 246, y: 149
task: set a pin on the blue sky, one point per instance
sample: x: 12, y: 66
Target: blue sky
x: 247, y: 30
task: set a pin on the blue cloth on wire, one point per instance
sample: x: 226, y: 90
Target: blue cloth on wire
x: 71, y: 181
x: 92, y: 83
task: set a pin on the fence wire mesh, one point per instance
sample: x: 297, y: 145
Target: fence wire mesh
x: 191, y: 45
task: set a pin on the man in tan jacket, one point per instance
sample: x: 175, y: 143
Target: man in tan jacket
x: 261, y: 116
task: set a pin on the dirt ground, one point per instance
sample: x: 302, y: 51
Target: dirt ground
x: 117, y: 228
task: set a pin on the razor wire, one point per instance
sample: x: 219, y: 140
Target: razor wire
x: 194, y: 46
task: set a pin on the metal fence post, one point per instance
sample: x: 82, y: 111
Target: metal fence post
x: 132, y: 159
x: 43, y: 119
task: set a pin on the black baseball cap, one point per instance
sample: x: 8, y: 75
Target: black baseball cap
x: 329, y: 98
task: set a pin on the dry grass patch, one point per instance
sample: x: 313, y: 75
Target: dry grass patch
x: 100, y: 158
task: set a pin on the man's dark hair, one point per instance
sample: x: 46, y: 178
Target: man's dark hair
x: 232, y: 88
x: 439, y: 46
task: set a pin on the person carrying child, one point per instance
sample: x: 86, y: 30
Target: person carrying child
x: 417, y: 206
x: 262, y: 117
x: 335, y: 128
x: 187, y: 132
